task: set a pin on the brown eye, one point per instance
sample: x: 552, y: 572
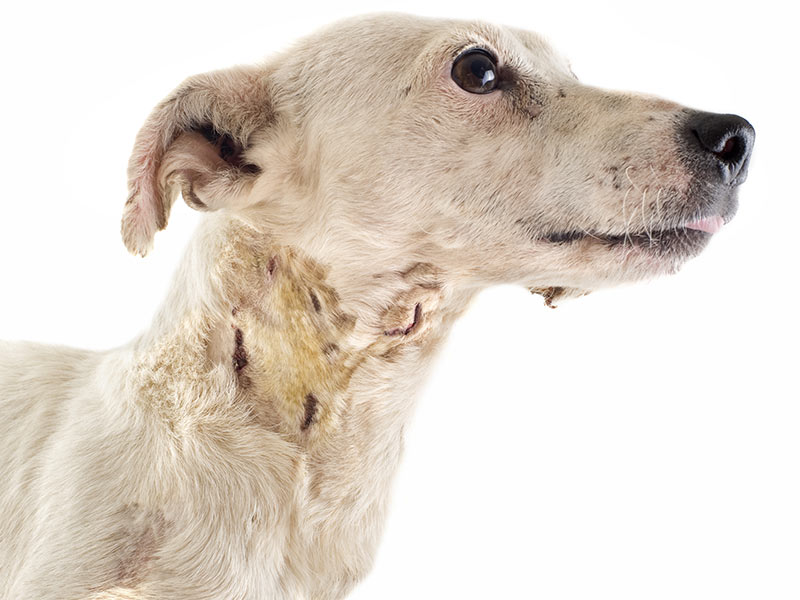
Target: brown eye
x: 475, y: 71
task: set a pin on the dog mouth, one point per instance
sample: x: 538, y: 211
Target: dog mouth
x: 685, y: 240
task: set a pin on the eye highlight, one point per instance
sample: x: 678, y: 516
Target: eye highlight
x: 475, y: 70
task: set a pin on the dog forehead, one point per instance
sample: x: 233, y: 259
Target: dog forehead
x: 537, y: 50
x: 389, y: 44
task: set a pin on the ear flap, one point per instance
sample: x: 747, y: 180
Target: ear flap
x: 194, y: 140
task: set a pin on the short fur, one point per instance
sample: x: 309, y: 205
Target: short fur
x: 357, y: 199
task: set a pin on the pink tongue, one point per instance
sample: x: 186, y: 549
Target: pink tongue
x: 709, y: 224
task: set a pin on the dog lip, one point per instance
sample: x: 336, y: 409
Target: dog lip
x: 566, y: 236
x: 707, y: 224
x: 676, y: 241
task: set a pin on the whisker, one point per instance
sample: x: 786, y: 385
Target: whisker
x: 658, y: 205
x: 644, y: 222
x: 628, y: 225
x: 627, y: 174
x: 590, y: 234
x: 420, y: 227
x: 624, y: 219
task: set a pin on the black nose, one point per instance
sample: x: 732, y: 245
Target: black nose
x: 724, y: 142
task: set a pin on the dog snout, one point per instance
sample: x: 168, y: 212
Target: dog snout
x: 720, y: 145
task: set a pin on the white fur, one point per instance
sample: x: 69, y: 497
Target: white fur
x: 385, y: 198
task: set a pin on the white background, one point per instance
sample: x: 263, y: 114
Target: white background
x: 639, y: 443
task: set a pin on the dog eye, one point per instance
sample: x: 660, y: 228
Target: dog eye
x: 475, y: 71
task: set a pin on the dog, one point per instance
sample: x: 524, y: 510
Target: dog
x: 359, y: 189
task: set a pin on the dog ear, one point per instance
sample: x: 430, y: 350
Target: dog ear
x: 194, y: 140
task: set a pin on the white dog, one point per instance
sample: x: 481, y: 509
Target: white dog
x: 361, y: 188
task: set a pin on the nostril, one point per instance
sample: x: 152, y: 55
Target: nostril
x: 726, y: 138
x: 732, y: 150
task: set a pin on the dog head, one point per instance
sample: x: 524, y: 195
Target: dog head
x: 467, y: 145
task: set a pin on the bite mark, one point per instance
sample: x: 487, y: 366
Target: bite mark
x: 315, y: 302
x: 310, y: 411
x: 410, y: 328
x: 272, y: 266
x: 239, y: 353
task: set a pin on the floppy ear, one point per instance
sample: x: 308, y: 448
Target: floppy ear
x: 194, y: 141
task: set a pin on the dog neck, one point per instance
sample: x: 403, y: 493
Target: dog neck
x: 239, y: 291
x: 267, y: 328
x: 255, y: 344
